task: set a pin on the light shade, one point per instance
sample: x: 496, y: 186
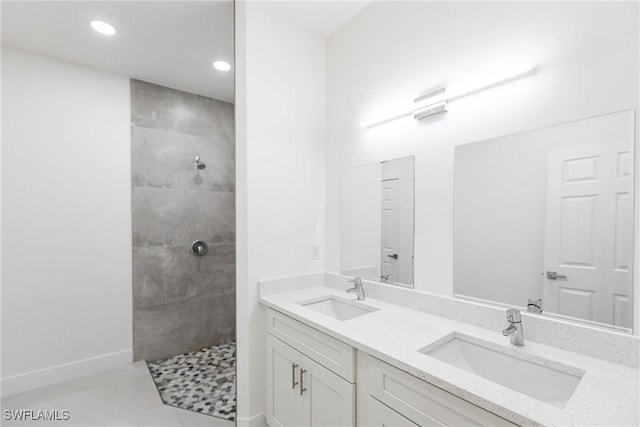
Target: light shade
x: 221, y: 65
x: 103, y: 28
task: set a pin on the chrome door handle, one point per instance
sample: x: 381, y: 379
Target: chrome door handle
x: 552, y: 275
x: 394, y: 256
x: 302, y: 389
x: 294, y: 383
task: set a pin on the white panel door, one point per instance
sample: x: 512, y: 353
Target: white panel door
x: 588, y: 236
x: 390, y: 229
x: 330, y: 399
x: 285, y: 406
x: 397, y: 221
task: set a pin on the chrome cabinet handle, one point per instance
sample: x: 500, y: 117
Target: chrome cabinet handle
x: 302, y: 389
x: 294, y: 383
x: 394, y: 256
x: 552, y: 275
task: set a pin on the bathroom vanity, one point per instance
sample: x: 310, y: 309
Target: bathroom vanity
x: 312, y: 375
x: 312, y: 379
x: 335, y: 361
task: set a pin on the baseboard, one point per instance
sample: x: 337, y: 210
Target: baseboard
x: 257, y: 420
x: 55, y: 374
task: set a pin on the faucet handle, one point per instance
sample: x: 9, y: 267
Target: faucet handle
x: 356, y: 280
x: 534, y: 305
x: 513, y: 315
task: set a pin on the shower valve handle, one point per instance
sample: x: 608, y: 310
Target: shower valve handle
x: 199, y: 247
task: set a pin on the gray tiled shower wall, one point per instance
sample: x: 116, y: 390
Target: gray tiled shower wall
x: 181, y: 302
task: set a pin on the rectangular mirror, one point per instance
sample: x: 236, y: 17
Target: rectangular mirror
x: 377, y: 221
x: 548, y: 215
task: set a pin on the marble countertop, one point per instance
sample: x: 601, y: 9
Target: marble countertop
x: 607, y: 395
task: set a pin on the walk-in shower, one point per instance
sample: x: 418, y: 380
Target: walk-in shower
x: 134, y: 132
x: 184, y: 245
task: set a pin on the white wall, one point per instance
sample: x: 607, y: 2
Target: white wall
x: 280, y: 116
x: 66, y: 221
x: 587, y: 59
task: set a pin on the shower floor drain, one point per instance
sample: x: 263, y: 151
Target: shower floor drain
x: 202, y: 381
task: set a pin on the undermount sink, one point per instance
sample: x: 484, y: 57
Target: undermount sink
x: 337, y: 308
x: 553, y: 384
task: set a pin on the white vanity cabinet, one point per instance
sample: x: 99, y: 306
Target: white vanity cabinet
x: 310, y: 376
x: 410, y: 401
x: 311, y: 381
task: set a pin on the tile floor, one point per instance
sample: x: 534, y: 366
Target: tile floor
x: 203, y: 381
x: 124, y: 396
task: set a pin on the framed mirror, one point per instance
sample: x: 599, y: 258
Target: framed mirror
x: 377, y: 221
x: 544, y: 220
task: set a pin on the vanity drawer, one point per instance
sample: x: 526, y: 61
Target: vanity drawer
x: 381, y: 415
x: 334, y: 355
x: 423, y: 403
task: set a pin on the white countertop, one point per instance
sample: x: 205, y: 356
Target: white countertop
x: 607, y: 395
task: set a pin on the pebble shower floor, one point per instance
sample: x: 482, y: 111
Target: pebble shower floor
x: 203, y: 381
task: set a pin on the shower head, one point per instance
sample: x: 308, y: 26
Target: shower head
x: 200, y: 165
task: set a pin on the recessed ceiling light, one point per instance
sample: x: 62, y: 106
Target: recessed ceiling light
x: 221, y: 65
x: 103, y: 28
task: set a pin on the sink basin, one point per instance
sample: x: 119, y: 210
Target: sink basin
x: 542, y: 379
x: 337, y: 308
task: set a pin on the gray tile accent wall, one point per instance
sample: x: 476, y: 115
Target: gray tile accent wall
x: 181, y: 302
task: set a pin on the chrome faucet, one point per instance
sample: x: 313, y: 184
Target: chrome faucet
x: 358, y: 288
x: 534, y: 305
x: 514, y: 331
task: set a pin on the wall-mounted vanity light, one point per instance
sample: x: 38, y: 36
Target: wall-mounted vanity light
x: 431, y: 102
x: 434, y: 101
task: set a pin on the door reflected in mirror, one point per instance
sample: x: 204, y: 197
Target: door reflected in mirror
x: 548, y: 214
x: 377, y: 220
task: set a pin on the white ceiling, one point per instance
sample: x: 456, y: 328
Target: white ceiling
x: 172, y: 43
x: 320, y: 16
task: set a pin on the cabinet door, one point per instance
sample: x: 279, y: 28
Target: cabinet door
x: 329, y: 398
x: 383, y: 416
x: 285, y: 406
